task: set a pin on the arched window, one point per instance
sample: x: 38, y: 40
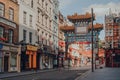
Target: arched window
x: 2, y: 9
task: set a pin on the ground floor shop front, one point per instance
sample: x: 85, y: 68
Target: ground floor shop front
x: 33, y: 58
x: 60, y: 59
x: 46, y: 60
x: 112, y: 57
x: 9, y: 58
x: 28, y: 57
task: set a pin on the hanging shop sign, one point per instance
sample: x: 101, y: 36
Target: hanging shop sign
x: 9, y: 48
x: 14, y: 49
x: 6, y: 48
x: 32, y: 48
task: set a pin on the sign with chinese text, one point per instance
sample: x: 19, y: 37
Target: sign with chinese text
x: 32, y: 48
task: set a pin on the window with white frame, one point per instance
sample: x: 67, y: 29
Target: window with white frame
x: 31, y: 17
x: 46, y: 21
x: 42, y: 3
x: 2, y: 7
x: 38, y: 15
x: 42, y: 19
x: 1, y: 32
x: 38, y: 1
x: 24, y: 35
x: 30, y: 37
x: 46, y: 6
x: 50, y: 11
x: 46, y: 37
x: 13, y: 60
x: 110, y: 32
x: 10, y: 37
x: 24, y: 17
x: 42, y: 36
x: 31, y: 3
x: 50, y: 24
x: 11, y: 14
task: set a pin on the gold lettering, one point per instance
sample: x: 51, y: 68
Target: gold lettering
x: 32, y: 48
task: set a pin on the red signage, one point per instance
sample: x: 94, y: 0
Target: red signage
x: 3, y: 39
x: 84, y: 42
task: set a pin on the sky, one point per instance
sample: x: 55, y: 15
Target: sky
x: 100, y: 8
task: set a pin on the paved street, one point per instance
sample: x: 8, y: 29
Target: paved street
x: 83, y: 73
x: 102, y: 74
x: 64, y: 74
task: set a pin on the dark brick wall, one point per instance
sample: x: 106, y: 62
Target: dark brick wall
x: 15, y: 32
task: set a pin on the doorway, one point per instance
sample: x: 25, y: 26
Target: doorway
x: 6, y: 59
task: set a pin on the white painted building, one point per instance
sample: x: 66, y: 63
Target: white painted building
x: 55, y: 24
x: 47, y: 34
x: 27, y: 35
x: 27, y: 27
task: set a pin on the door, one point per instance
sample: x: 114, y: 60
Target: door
x: 6, y: 58
x: 32, y: 61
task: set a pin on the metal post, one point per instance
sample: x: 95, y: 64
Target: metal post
x: 112, y: 35
x: 97, y: 45
x: 92, y: 40
x: 66, y: 48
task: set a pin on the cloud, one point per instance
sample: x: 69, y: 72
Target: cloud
x: 101, y: 9
x: 65, y: 3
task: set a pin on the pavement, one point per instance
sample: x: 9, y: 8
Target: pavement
x: 101, y: 74
x: 12, y: 74
x: 51, y: 74
x: 98, y: 74
x: 67, y: 70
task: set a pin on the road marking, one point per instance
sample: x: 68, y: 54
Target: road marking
x: 79, y: 73
x: 82, y: 75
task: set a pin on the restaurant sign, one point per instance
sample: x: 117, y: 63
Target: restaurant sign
x: 32, y: 48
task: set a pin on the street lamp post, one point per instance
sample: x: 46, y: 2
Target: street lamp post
x: 92, y: 41
x: 66, y: 47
